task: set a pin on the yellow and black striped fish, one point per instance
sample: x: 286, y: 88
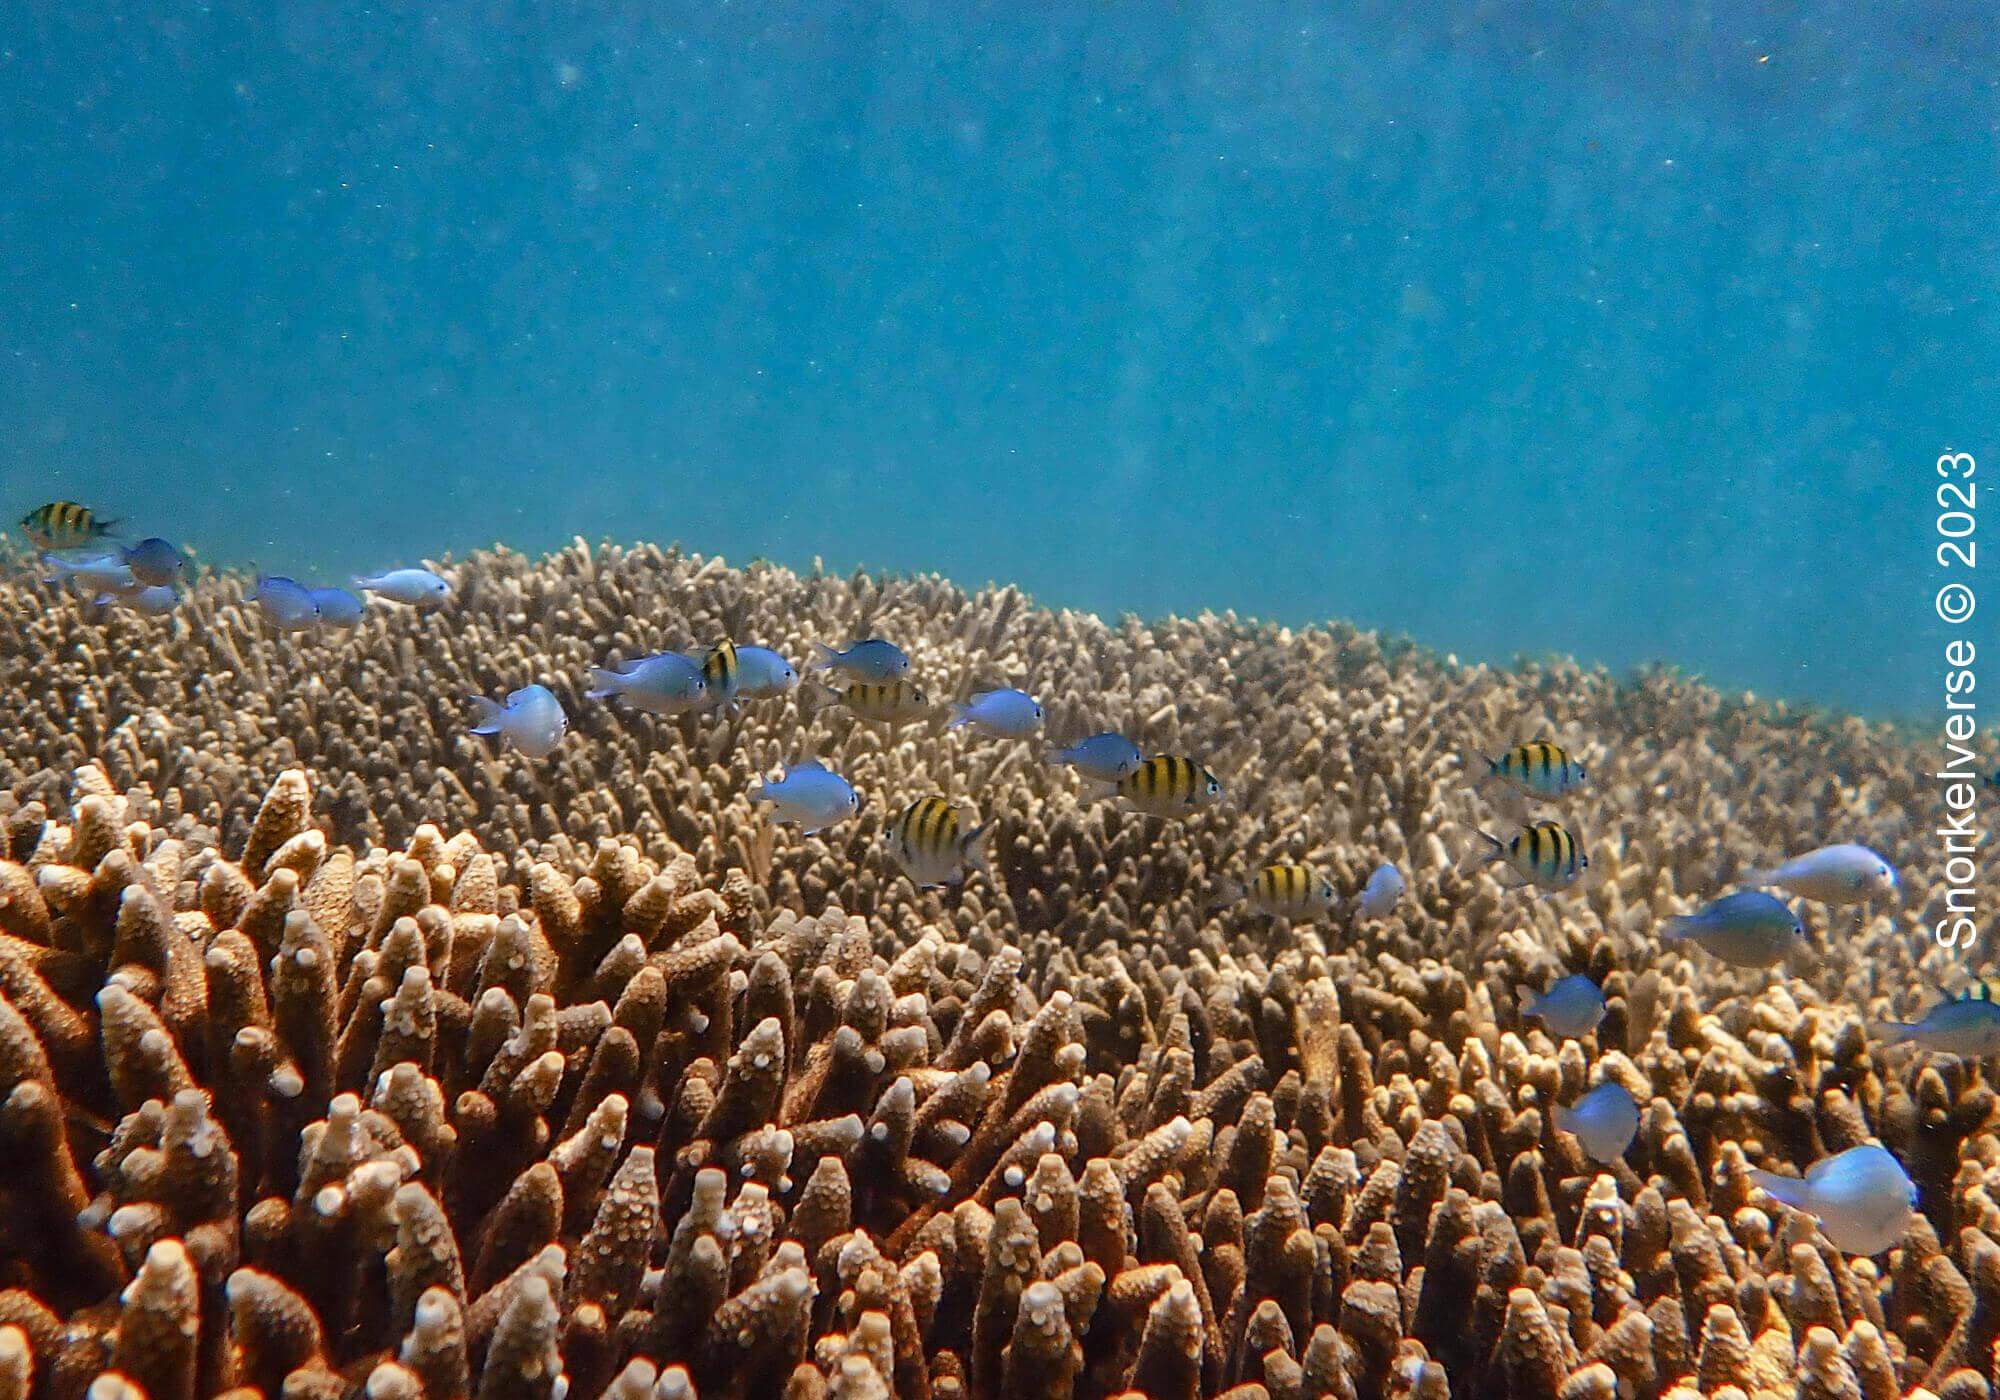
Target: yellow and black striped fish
x: 63, y: 525
x: 885, y: 702
x: 1291, y: 892
x: 1540, y: 768
x: 1168, y: 785
x: 930, y: 843
x: 719, y: 673
x: 1545, y: 855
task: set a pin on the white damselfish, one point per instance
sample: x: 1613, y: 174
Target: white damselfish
x: 810, y: 794
x: 1605, y: 1121
x: 1863, y: 1198
x: 1845, y: 874
x: 532, y: 720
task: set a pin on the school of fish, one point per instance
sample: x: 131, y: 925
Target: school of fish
x: 1862, y: 1198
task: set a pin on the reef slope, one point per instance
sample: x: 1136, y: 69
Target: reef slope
x: 341, y: 1053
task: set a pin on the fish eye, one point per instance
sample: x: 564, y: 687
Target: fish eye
x: 1583, y: 861
x: 1798, y: 929
x: 1881, y: 872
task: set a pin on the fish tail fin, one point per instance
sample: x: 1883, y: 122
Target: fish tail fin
x: 1227, y: 892
x: 486, y: 715
x: 1891, y: 1032
x: 757, y: 794
x: 973, y: 848
x: 1489, y: 849
x: 1678, y: 929
x: 1059, y: 758
x: 961, y: 715
x: 824, y: 656
x: 1563, y: 1120
x: 1528, y: 998
x: 100, y: 528
x: 1483, y: 769
x: 604, y: 683
x: 1788, y: 1190
x: 1759, y: 877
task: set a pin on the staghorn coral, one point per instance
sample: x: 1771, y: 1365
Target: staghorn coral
x: 341, y: 1055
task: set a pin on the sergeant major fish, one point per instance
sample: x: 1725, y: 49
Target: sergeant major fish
x: 1168, y: 785
x: 885, y: 702
x: 532, y: 720
x: 1863, y: 1199
x: 720, y: 673
x: 1540, y: 768
x: 1544, y: 855
x: 64, y: 525
x: 1286, y: 892
x: 928, y: 841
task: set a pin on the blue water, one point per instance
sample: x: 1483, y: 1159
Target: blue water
x: 1631, y: 334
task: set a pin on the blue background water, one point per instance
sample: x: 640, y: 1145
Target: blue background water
x: 1509, y: 328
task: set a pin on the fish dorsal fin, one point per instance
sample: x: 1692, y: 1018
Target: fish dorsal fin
x: 808, y: 765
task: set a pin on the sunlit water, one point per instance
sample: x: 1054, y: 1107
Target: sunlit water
x: 1633, y: 336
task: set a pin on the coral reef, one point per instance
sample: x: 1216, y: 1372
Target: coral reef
x: 342, y: 1054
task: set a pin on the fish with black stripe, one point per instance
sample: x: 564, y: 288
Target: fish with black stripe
x: 1544, y: 855
x: 1168, y: 785
x: 1539, y: 768
x: 64, y: 525
x: 720, y: 674
x: 1286, y: 892
x: 884, y: 702
x: 931, y: 842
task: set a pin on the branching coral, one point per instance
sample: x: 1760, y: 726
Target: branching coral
x: 589, y: 1090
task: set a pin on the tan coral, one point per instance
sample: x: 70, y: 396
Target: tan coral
x: 337, y: 1050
